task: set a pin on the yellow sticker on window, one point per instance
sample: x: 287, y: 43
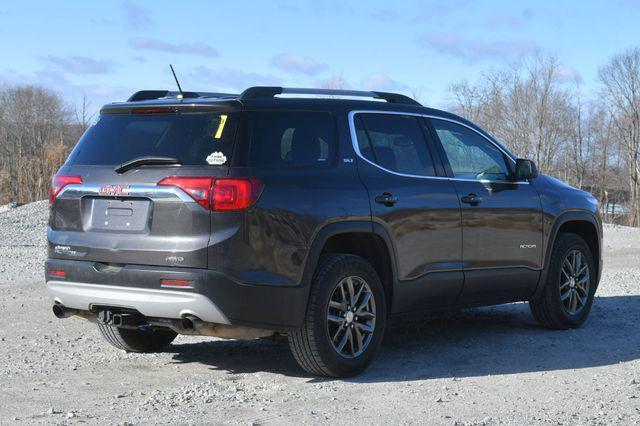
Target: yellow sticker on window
x: 223, y: 121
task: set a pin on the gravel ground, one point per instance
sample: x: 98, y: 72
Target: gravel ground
x: 481, y: 366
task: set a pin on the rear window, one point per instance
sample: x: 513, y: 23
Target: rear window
x: 291, y: 138
x: 193, y: 138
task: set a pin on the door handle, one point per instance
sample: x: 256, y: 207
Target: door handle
x: 472, y: 199
x: 387, y: 199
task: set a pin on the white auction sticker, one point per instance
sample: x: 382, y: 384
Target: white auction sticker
x: 216, y: 158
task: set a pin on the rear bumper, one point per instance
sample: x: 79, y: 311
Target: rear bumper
x: 150, y: 303
x: 212, y: 296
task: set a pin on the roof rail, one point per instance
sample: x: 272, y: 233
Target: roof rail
x: 266, y: 92
x: 145, y: 95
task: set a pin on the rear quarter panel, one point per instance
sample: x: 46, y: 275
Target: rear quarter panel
x: 272, y: 243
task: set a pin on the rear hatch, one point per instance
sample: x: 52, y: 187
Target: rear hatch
x: 136, y: 188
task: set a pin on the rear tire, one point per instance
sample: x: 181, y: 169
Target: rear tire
x: 132, y: 340
x: 568, y: 295
x: 336, y: 338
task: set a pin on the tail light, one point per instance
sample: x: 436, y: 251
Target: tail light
x: 235, y: 194
x: 60, y: 181
x: 198, y: 188
x: 218, y: 194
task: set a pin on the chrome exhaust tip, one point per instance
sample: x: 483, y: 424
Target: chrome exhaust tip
x: 61, y: 311
x: 190, y: 323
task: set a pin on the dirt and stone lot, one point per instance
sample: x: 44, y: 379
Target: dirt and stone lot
x: 482, y: 366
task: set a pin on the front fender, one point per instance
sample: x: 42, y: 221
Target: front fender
x: 559, y: 221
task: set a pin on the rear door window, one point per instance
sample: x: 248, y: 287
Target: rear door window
x: 291, y: 138
x: 394, y: 142
x: 193, y: 138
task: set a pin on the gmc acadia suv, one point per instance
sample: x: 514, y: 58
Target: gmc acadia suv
x: 311, y: 214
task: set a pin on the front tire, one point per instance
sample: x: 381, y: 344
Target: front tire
x: 132, y: 340
x: 345, y: 319
x: 571, y: 285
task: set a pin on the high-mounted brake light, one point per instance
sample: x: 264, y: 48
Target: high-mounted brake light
x: 218, y: 194
x: 60, y: 181
x: 153, y: 111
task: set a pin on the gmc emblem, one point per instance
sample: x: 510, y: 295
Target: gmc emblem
x: 114, y: 190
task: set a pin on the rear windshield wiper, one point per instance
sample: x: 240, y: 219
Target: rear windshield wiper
x: 142, y: 161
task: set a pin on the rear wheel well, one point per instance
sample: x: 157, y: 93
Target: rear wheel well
x: 588, y: 232
x: 369, y: 246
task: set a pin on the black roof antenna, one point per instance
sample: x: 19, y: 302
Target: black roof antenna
x: 177, y: 82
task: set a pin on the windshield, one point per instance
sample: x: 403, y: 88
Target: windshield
x: 192, y: 138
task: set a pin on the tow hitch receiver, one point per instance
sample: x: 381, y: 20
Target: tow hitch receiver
x: 107, y: 317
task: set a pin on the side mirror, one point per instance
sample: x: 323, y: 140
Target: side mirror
x: 525, y: 169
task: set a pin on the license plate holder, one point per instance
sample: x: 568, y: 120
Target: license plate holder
x: 120, y: 215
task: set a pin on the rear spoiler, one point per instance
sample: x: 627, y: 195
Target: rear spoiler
x: 146, y: 95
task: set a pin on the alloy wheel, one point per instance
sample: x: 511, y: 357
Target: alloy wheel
x: 574, y: 282
x: 351, y: 317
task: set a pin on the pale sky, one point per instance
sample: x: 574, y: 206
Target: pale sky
x: 110, y: 49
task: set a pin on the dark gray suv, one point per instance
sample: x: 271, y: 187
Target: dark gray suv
x: 312, y: 214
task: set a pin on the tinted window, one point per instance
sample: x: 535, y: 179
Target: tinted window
x: 471, y: 156
x: 193, y: 138
x: 290, y: 139
x: 395, y: 142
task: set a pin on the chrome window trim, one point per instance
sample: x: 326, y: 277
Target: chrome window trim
x: 147, y: 191
x: 356, y: 148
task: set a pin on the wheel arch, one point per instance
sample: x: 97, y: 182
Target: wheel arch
x: 581, y: 223
x: 361, y: 238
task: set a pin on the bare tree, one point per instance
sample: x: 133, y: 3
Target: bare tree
x: 35, y: 137
x: 83, y: 117
x: 525, y: 106
x: 603, y: 160
x: 620, y: 79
